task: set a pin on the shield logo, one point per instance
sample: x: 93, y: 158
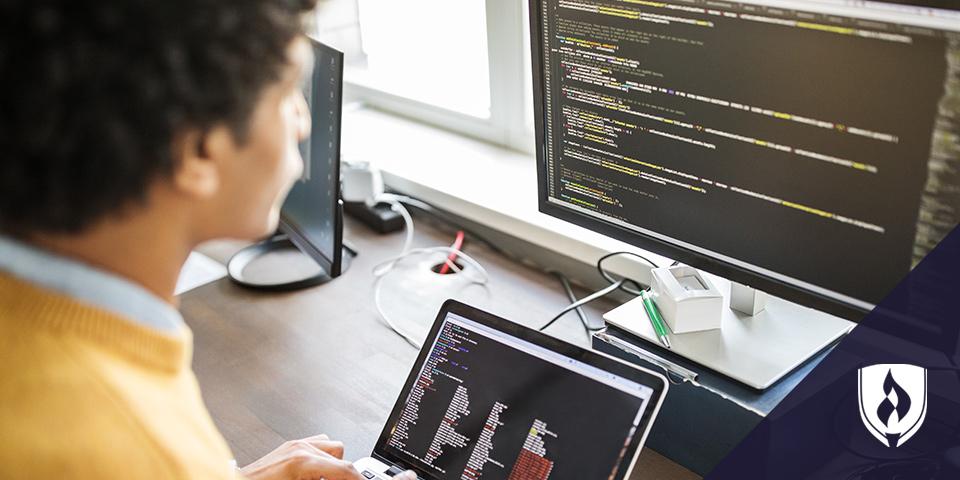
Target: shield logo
x: 893, y: 401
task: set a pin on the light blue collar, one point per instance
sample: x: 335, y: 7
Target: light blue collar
x: 87, y: 284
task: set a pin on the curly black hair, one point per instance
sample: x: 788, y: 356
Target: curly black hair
x: 93, y: 92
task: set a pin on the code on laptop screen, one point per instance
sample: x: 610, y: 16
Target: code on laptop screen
x: 488, y: 405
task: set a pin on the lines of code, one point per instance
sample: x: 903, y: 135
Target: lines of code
x: 729, y: 126
x: 481, y: 409
x: 438, y: 362
x: 481, y: 452
x: 447, y: 433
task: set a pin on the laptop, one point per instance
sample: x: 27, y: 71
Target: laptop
x: 490, y: 399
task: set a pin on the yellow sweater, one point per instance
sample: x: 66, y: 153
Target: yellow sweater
x: 87, y: 394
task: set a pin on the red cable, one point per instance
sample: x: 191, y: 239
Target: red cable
x: 456, y: 246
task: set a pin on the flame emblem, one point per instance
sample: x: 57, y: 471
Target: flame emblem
x: 893, y: 401
x: 887, y: 407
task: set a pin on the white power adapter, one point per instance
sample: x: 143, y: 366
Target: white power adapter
x: 361, y: 182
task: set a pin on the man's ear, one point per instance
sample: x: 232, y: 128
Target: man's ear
x: 199, y: 156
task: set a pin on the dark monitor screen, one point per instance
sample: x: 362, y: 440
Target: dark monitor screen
x: 312, y: 215
x: 805, y: 148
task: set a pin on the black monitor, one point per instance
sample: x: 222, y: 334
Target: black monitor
x: 311, y: 219
x: 808, y: 149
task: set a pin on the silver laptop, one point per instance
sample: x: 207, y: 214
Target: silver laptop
x: 490, y: 399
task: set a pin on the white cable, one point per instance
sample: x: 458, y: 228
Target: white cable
x: 412, y: 201
x: 387, y: 265
x: 396, y: 206
x: 384, y: 267
x: 385, y: 318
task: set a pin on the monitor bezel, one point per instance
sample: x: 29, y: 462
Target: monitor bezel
x: 331, y: 262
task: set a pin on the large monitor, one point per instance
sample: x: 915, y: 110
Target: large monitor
x: 806, y: 148
x: 311, y: 219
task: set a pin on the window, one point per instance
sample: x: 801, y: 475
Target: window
x: 460, y: 64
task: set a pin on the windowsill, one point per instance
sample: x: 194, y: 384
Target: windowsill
x: 489, y: 185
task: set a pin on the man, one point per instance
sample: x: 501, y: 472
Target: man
x: 130, y: 131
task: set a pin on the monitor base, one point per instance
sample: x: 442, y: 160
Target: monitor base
x: 755, y: 350
x: 276, y: 264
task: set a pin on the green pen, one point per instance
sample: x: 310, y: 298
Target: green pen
x: 655, y: 318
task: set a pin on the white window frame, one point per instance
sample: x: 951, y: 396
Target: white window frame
x: 508, y: 46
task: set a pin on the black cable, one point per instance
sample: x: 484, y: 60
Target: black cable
x: 610, y: 279
x: 554, y: 319
x: 614, y: 285
x: 570, y: 295
x: 573, y: 301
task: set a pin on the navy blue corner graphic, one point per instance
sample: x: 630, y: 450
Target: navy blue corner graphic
x: 816, y: 432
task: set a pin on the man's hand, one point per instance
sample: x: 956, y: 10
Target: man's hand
x: 313, y: 458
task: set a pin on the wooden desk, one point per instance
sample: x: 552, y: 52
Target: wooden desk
x: 281, y: 366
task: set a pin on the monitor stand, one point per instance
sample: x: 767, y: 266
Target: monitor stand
x: 756, y: 350
x: 277, y: 264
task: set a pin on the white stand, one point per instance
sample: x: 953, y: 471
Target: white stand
x: 747, y: 300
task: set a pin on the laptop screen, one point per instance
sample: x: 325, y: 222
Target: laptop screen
x: 488, y: 398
